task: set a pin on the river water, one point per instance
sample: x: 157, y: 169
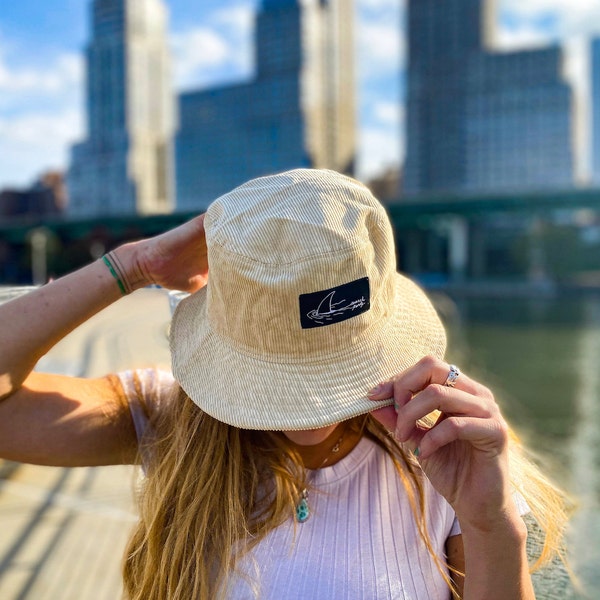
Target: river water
x: 541, y: 357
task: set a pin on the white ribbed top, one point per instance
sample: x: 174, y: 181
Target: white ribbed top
x: 360, y: 541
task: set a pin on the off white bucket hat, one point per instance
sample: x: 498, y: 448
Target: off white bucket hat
x: 304, y: 311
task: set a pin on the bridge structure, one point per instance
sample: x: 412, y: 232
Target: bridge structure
x: 413, y: 209
x: 460, y: 236
x: 455, y: 218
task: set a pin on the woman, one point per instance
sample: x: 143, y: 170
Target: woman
x: 315, y: 443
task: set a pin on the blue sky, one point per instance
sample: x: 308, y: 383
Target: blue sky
x: 41, y: 67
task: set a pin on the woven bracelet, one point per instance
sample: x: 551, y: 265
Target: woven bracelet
x: 114, y: 274
x: 114, y: 259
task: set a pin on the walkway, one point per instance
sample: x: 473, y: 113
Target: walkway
x: 63, y: 531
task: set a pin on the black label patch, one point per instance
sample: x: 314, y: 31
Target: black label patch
x: 335, y: 304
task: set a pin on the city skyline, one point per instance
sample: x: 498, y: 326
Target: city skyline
x: 42, y: 80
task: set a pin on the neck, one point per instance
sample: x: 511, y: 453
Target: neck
x: 310, y: 437
x: 316, y: 447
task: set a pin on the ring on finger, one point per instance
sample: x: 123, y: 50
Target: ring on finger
x: 453, y: 375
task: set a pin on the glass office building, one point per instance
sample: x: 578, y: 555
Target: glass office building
x: 595, y: 111
x: 482, y: 121
x: 518, y: 123
x: 297, y: 111
x: 126, y: 164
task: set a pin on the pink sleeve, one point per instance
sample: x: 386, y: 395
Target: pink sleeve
x: 145, y: 391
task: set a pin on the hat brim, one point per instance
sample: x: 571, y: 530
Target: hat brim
x: 252, y: 392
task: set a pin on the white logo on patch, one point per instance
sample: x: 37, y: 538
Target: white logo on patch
x: 328, y: 310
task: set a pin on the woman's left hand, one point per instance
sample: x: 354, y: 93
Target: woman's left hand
x: 176, y: 259
x: 465, y: 452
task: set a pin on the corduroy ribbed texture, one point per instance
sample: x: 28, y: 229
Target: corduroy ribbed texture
x: 238, y: 347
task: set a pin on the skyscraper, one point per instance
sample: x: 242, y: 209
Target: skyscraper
x: 125, y: 165
x: 595, y: 111
x: 298, y: 110
x: 478, y: 120
x: 519, y: 121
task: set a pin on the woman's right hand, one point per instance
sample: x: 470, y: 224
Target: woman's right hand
x: 32, y: 324
x: 176, y: 259
x: 53, y: 419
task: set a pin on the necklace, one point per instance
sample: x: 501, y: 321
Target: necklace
x: 302, y: 508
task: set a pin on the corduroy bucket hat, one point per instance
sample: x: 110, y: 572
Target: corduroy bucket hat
x: 304, y: 311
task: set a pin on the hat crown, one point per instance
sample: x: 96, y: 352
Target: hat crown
x: 279, y: 238
x: 293, y: 216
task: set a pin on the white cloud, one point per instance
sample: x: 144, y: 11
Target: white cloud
x: 564, y: 7
x: 390, y: 114
x: 30, y: 129
x: 41, y: 95
x: 222, y: 44
x: 381, y: 42
x: 41, y: 112
x: 379, y: 149
x: 381, y: 57
x: 238, y: 23
x: 381, y: 140
x: 380, y: 39
x: 555, y: 18
x: 380, y: 5
x: 66, y: 71
x: 55, y: 79
x: 197, y: 52
x: 523, y: 36
x: 35, y: 142
x: 240, y: 19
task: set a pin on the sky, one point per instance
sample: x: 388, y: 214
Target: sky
x: 42, y: 68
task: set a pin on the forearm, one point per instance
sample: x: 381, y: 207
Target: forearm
x: 496, y: 565
x: 33, y: 323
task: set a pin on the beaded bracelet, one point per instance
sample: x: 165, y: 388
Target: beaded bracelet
x: 113, y: 272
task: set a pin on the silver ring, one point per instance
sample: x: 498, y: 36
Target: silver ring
x: 452, y: 376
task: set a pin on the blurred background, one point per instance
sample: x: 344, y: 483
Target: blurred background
x: 476, y: 122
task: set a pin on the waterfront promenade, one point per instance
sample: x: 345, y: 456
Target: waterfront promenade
x: 63, y: 531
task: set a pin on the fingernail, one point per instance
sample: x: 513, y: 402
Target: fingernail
x: 376, y: 390
x: 396, y: 407
x: 417, y: 451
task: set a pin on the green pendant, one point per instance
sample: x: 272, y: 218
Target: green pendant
x: 302, y: 510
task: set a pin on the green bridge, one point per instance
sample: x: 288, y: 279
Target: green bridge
x: 439, y: 234
x: 405, y: 211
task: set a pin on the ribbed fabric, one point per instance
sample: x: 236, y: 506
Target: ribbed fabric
x: 360, y: 542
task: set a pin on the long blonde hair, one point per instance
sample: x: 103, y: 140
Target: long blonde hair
x: 212, y: 492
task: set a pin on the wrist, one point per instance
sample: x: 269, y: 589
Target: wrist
x: 123, y: 265
x: 509, y: 528
x: 495, y: 561
x: 504, y: 520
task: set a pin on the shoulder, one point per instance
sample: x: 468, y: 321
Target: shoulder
x: 146, y: 392
x: 149, y: 385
